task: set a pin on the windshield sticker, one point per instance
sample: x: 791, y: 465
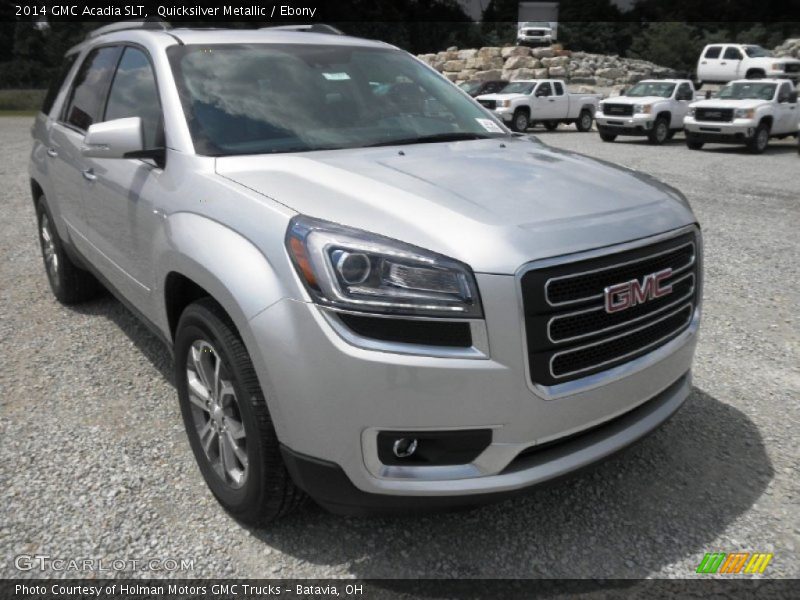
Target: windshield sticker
x: 490, y: 125
x: 336, y: 76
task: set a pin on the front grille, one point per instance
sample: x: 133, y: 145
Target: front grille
x: 716, y: 115
x: 793, y: 68
x: 569, y: 333
x: 539, y: 32
x: 492, y: 104
x: 618, y: 110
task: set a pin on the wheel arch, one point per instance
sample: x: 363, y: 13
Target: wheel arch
x: 766, y: 120
x: 665, y: 114
x: 37, y: 191
x: 590, y: 107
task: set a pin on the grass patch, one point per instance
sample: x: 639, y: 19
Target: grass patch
x: 25, y: 101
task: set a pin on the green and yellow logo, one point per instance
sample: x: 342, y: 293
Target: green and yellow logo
x: 734, y: 562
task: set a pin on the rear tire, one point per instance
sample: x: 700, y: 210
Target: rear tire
x: 660, y: 132
x: 760, y: 139
x: 521, y: 121
x: 70, y: 284
x: 607, y: 137
x: 227, y: 421
x: 584, y: 122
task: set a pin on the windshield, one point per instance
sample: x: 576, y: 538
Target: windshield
x: 536, y: 24
x: 267, y: 98
x: 748, y: 91
x: 470, y: 86
x: 756, y: 51
x: 651, y: 88
x: 518, y: 87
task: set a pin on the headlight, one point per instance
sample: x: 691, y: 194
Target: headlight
x: 644, y: 109
x: 744, y: 113
x: 691, y: 111
x: 354, y: 270
x: 504, y: 103
x: 777, y: 66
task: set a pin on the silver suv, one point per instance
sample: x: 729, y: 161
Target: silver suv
x: 375, y: 294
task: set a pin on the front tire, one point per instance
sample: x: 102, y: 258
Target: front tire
x: 69, y: 283
x: 521, y: 121
x: 584, y: 122
x: 760, y: 140
x: 693, y: 144
x: 227, y: 421
x: 607, y: 137
x: 660, y: 132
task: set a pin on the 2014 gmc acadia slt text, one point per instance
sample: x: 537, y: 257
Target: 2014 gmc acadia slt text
x: 375, y: 294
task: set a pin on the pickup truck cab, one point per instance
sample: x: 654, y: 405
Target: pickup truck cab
x: 747, y: 112
x: 654, y: 108
x: 375, y: 304
x: 527, y: 102
x: 721, y: 63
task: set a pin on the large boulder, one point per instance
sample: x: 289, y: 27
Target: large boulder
x: 515, y: 51
x: 490, y: 52
x: 580, y: 72
x: 488, y: 75
x: 539, y: 74
x: 545, y: 52
x: 558, y: 71
x: 455, y: 65
x: 465, y: 54
x: 610, y: 73
x: 555, y: 61
x: 521, y: 62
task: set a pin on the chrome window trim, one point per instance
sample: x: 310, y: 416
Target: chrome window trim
x: 614, y: 266
x: 613, y: 327
x: 568, y: 388
x: 622, y: 335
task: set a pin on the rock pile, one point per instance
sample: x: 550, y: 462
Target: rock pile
x: 521, y: 62
x: 788, y: 48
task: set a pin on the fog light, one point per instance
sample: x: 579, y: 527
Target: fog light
x: 404, y: 447
x: 353, y: 267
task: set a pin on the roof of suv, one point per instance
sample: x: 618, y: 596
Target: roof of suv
x: 268, y: 36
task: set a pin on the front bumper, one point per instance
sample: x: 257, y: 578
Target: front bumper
x: 737, y: 131
x: 330, y: 394
x: 634, y: 125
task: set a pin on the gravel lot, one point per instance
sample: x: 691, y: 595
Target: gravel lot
x: 94, y: 461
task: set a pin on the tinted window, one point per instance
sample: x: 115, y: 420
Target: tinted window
x: 785, y: 92
x: 544, y: 89
x: 134, y: 94
x: 89, y: 89
x: 492, y: 87
x: 559, y: 88
x: 57, y: 82
x: 713, y: 52
x: 518, y: 87
x: 742, y: 90
x: 663, y: 89
x: 684, y: 91
x: 756, y: 51
x: 732, y: 54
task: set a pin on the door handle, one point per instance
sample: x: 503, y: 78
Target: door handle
x: 52, y: 152
x: 551, y: 100
x: 88, y: 175
x: 723, y: 63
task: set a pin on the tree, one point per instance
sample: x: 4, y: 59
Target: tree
x: 670, y: 44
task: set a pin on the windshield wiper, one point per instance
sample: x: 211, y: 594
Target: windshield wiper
x: 437, y: 137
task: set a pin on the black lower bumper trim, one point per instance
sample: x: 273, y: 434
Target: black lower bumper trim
x: 717, y: 138
x: 638, y: 130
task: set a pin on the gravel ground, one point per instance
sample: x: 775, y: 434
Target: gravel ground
x: 94, y: 461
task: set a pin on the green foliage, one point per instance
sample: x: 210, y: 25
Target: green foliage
x: 21, y: 100
x: 670, y: 44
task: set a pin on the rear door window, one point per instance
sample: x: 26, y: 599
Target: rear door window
x: 544, y: 89
x: 134, y: 94
x: 713, y: 52
x: 89, y: 89
x: 559, y: 88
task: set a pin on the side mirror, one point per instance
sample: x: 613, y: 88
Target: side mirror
x: 622, y: 92
x: 793, y: 97
x: 708, y: 94
x: 114, y: 139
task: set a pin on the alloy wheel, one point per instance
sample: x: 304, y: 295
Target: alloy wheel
x: 215, y: 413
x: 49, y: 249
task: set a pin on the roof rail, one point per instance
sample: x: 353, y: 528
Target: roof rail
x: 312, y: 28
x: 148, y: 23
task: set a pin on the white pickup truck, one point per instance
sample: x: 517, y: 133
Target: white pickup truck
x: 654, y: 108
x: 526, y: 102
x: 745, y: 112
x: 721, y: 63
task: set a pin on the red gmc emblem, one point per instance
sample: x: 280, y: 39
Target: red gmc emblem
x: 625, y: 295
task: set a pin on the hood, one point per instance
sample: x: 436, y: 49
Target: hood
x: 719, y: 103
x: 493, y: 204
x: 499, y: 96
x: 634, y: 100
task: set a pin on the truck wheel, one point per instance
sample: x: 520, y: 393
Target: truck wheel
x: 760, y: 139
x: 660, y: 132
x: 755, y: 74
x: 607, y: 137
x: 226, y: 418
x: 521, y: 121
x: 584, y: 122
x: 550, y: 125
x: 70, y: 284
